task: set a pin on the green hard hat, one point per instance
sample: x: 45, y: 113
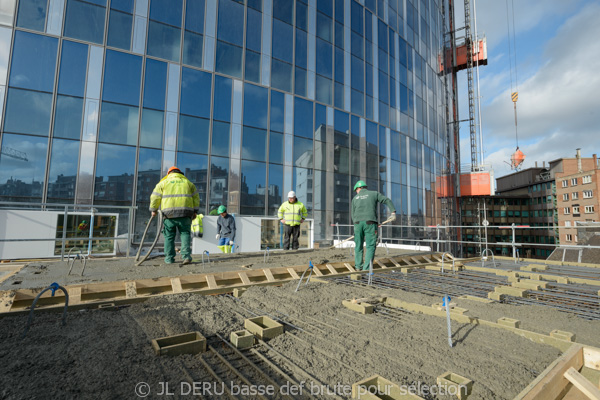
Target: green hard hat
x: 360, y: 184
x: 221, y: 209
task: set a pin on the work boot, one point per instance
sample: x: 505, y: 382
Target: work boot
x: 186, y: 261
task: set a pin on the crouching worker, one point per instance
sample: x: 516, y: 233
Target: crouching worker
x: 225, y: 230
x: 197, y: 227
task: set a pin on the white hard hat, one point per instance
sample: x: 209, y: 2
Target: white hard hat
x: 291, y: 194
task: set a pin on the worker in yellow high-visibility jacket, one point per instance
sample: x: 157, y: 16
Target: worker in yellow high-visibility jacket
x: 292, y: 213
x: 197, y: 226
x: 179, y: 202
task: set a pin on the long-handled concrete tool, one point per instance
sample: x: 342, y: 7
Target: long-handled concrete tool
x: 310, y: 267
x: 159, y: 226
x: 387, y: 221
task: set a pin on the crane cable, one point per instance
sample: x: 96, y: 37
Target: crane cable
x: 514, y: 90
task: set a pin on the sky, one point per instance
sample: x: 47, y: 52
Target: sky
x: 557, y: 75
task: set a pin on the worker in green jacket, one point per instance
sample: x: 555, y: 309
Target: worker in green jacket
x: 364, y: 216
x: 292, y: 213
x: 197, y: 226
x: 179, y: 202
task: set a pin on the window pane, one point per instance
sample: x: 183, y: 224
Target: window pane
x: 357, y: 102
x: 283, y: 10
x: 63, y: 171
x: 28, y: 112
x: 283, y: 41
x: 323, y: 86
x: 256, y: 4
x: 301, y: 16
x: 93, y: 15
x: 254, y: 179
x: 194, y: 16
x: 252, y: 66
x: 324, y: 27
x: 115, y: 168
x: 220, y: 139
x: 155, y: 82
x: 229, y: 59
x: 255, y: 106
x: 275, y: 188
x: 73, y: 66
x: 119, y: 30
x: 167, y: 11
x: 219, y: 181
x: 193, y: 134
x: 67, y: 117
x: 338, y: 95
x: 253, y: 30
x: 192, y: 49
x: 148, y: 176
x: 151, y: 134
x: 195, y: 93
x: 254, y: 144
x: 231, y: 22
x: 22, y: 180
x: 301, y: 49
x: 324, y: 59
x: 195, y: 168
x: 300, y: 82
x: 281, y: 75
x: 276, y: 148
x: 303, y: 118
x: 33, y: 62
x: 163, y: 41
x: 277, y: 111
x: 303, y: 152
x: 32, y: 14
x: 122, y: 75
x: 118, y: 124
x: 222, y: 105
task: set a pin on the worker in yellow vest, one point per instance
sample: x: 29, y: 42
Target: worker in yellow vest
x: 197, y: 227
x: 292, y: 213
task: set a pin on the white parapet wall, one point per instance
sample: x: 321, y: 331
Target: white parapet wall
x: 350, y: 243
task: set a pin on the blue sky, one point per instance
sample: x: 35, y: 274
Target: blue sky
x: 558, y: 70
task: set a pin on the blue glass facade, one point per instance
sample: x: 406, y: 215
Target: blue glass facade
x: 250, y: 98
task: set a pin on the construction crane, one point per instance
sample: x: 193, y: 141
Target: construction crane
x: 10, y: 152
x: 517, y: 158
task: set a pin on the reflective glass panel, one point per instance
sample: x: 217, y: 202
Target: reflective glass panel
x: 275, y: 147
x: 324, y: 92
x: 324, y: 59
x: 151, y: 134
x: 229, y: 59
x: 195, y: 93
x: 73, y: 66
x: 220, y: 139
x: 22, y: 180
x: 222, y: 105
x: 324, y: 27
x: 219, y: 181
x: 341, y: 159
x: 118, y: 124
x: 119, y: 29
x: 283, y: 48
x: 300, y: 82
x: 93, y: 13
x: 115, y: 168
x: 166, y: 11
x: 254, y: 144
x: 155, y: 82
x: 357, y: 101
x: 325, y: 6
x: 303, y: 118
x: 284, y: 10
x: 67, y: 117
x: 255, y: 106
x: 301, y: 16
x: 252, y: 66
x: 63, y: 171
x: 32, y: 14
x: 303, y: 152
x: 195, y: 168
x: 277, y: 111
x: 275, y: 196
x: 28, y: 112
x: 253, y: 188
x: 253, y: 30
x: 148, y: 176
x: 192, y: 49
x: 194, y: 16
x: 281, y: 75
x: 301, y: 49
x: 302, y: 184
x: 193, y: 134
x: 231, y: 22
x: 163, y: 41
x: 122, y: 76
x: 33, y: 62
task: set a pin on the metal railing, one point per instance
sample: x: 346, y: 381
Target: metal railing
x: 75, y: 208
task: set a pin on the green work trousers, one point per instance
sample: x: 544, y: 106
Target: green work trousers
x: 367, y: 233
x: 171, y: 226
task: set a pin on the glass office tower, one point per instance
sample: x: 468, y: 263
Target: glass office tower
x: 250, y: 98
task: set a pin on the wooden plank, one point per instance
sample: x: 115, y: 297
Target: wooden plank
x: 551, y: 384
x: 74, y: 295
x: 591, y: 358
x: 212, y: 283
x: 331, y: 269
x: 428, y: 259
x: 416, y: 260
x: 382, y: 265
x: 244, y: 277
x: 293, y: 273
x: 6, y: 301
x: 269, y: 275
x: 585, y: 386
x: 317, y: 271
x: 349, y: 267
x: 395, y: 262
x: 176, y: 285
x: 130, y: 289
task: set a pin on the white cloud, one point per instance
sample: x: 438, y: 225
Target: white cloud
x: 558, y: 105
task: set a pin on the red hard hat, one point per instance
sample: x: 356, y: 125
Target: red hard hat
x: 172, y: 169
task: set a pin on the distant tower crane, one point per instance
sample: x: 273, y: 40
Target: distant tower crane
x: 10, y: 152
